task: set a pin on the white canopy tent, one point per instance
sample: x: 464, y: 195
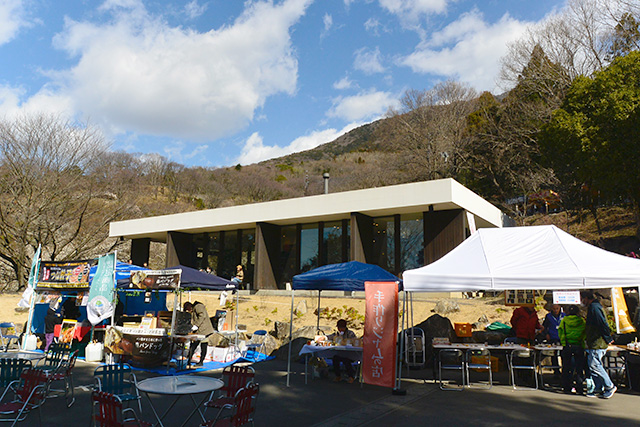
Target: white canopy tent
x: 536, y: 257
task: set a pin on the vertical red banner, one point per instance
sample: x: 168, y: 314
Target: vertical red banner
x: 380, y: 333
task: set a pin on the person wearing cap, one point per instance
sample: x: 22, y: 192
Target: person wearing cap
x: 342, y: 334
x: 52, y: 318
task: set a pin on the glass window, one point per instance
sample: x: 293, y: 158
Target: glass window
x: 332, y: 242
x: 214, y: 252
x: 411, y: 241
x: 309, y: 247
x: 288, y: 264
x: 229, y: 258
x: 383, y: 244
x: 248, y: 254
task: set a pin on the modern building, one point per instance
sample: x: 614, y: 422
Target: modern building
x: 398, y: 227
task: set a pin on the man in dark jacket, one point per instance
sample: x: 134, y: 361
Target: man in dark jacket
x: 598, y: 338
x: 202, y: 325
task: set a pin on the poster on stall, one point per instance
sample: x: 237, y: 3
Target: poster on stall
x: 67, y: 331
x: 163, y: 280
x: 100, y: 305
x: 142, y: 347
x: 621, y: 312
x: 380, y: 333
x: 65, y: 274
x: 520, y: 297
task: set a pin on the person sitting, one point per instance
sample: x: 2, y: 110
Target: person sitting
x: 525, y: 324
x: 239, y: 277
x: 572, y: 335
x: 342, y: 334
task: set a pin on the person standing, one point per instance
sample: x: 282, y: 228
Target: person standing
x: 572, y: 335
x: 598, y: 338
x: 202, y: 325
x: 525, y: 324
x: 52, y: 318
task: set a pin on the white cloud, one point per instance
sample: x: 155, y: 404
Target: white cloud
x: 255, y: 151
x: 11, y: 19
x: 194, y: 10
x: 413, y: 9
x: 138, y: 74
x: 368, y: 61
x: 328, y: 22
x: 343, y: 83
x: 175, y: 151
x: 468, y: 49
x: 372, y: 25
x: 364, y: 106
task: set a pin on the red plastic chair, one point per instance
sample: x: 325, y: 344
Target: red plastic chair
x: 242, y: 409
x: 107, y: 411
x: 235, y: 378
x: 63, y: 373
x: 30, y: 392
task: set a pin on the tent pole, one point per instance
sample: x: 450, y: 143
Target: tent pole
x: 237, y: 311
x: 290, y: 335
x: 27, y: 331
x: 318, y: 316
x: 399, y: 361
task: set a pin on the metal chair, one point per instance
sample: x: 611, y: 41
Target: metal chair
x: 10, y: 370
x: 29, y: 393
x: 479, y: 360
x: 242, y: 409
x: 107, y: 411
x: 57, y: 354
x: 64, y: 373
x: 615, y: 364
x: 257, y: 342
x: 553, y: 355
x: 235, y: 378
x: 7, y: 335
x: 522, y: 360
x: 119, y: 380
x: 414, y: 348
x: 451, y: 359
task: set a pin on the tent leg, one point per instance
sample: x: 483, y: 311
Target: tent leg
x: 397, y: 390
x: 290, y: 334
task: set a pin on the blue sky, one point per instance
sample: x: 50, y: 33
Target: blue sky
x: 222, y: 82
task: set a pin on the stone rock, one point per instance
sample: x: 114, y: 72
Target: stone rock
x: 296, y: 345
x: 301, y: 308
x: 307, y: 332
x: 270, y: 343
x: 281, y: 330
x: 446, y: 306
x: 436, y: 326
x: 489, y: 337
x: 482, y: 322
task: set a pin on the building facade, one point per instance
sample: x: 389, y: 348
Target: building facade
x: 398, y: 227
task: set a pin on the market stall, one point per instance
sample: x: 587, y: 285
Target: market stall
x: 157, y: 337
x: 348, y: 276
x: 522, y: 259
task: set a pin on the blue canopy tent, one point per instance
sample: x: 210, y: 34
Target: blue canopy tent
x: 194, y: 279
x: 346, y: 276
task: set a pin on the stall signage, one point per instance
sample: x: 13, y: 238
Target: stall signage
x: 71, y: 274
x: 380, y: 333
x: 566, y: 297
x: 142, y: 347
x: 100, y: 305
x: 155, y: 279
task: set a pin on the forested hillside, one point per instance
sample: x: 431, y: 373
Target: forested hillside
x: 568, y: 122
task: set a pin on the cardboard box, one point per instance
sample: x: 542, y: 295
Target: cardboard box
x: 463, y: 329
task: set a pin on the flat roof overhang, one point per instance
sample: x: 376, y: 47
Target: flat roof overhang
x: 443, y: 194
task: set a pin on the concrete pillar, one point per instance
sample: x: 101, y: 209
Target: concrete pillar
x: 179, y: 249
x: 361, y: 237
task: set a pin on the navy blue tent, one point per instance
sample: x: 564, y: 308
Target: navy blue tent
x: 192, y: 279
x: 347, y: 276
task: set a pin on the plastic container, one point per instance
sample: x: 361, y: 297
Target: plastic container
x: 94, y: 352
x: 463, y: 330
x: 31, y: 342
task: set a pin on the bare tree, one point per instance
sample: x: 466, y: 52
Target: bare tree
x: 428, y: 128
x: 54, y: 191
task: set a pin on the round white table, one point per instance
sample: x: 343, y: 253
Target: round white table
x: 27, y: 355
x: 178, y: 386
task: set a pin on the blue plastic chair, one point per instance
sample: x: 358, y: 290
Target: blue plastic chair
x: 6, y: 337
x: 257, y: 342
